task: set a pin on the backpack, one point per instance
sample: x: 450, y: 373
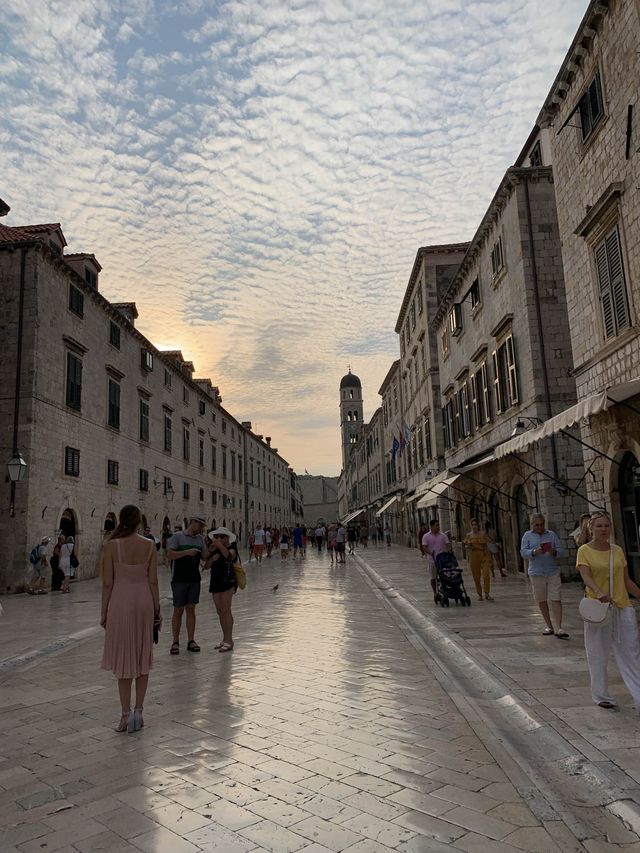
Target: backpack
x: 34, y: 556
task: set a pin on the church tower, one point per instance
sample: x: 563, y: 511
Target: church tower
x: 351, y: 420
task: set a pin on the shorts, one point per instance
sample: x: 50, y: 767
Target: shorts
x: 431, y: 569
x: 258, y: 549
x: 185, y: 593
x: 340, y: 547
x: 38, y: 570
x: 546, y: 587
x: 284, y: 546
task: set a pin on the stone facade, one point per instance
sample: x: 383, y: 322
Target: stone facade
x: 504, y: 356
x: 319, y: 497
x: 591, y: 117
x: 106, y: 419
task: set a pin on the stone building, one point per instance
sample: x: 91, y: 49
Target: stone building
x: 591, y: 116
x: 103, y: 418
x: 505, y: 361
x: 417, y: 427
x: 319, y: 498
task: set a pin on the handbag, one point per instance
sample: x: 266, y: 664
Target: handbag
x: 241, y: 575
x: 592, y: 610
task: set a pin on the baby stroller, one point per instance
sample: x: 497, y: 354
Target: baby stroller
x: 449, y: 581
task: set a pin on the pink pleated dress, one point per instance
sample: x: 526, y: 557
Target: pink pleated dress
x: 128, y: 638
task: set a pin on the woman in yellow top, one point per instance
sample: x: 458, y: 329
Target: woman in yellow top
x: 479, y: 558
x: 620, y: 631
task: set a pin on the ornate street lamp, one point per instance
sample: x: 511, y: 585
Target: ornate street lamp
x: 17, y: 467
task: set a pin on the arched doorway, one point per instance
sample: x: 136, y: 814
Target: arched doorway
x: 629, y: 491
x: 68, y: 525
x: 522, y: 521
x: 110, y: 523
x: 144, y: 521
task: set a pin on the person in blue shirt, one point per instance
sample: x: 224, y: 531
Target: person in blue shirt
x: 541, y: 547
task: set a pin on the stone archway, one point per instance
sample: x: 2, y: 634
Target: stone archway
x: 110, y: 523
x: 68, y: 524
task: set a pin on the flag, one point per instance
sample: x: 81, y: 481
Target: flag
x: 395, y: 447
x: 406, y: 432
x: 402, y: 442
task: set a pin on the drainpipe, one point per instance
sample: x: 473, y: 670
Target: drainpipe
x: 543, y: 354
x: 16, y: 401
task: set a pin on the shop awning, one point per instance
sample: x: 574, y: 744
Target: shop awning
x: 592, y: 405
x: 353, y: 515
x: 436, y: 491
x: 386, y: 506
x: 484, y: 460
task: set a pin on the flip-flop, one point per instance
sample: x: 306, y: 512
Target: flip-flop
x: 610, y: 706
x: 175, y: 649
x: 562, y: 635
x: 192, y: 646
x: 226, y: 647
x: 548, y: 632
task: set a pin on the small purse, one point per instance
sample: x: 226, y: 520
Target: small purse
x: 241, y: 575
x: 592, y: 610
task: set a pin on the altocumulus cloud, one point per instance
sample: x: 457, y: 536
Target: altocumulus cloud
x: 259, y: 175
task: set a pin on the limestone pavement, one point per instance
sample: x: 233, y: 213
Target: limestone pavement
x: 330, y: 727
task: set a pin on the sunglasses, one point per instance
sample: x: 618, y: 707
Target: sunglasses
x: 221, y: 536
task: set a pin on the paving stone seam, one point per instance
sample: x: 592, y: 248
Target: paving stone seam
x: 508, y: 731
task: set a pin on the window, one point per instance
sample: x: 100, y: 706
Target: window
x: 445, y: 341
x: 143, y: 480
x: 146, y: 359
x: 168, y: 486
x: 112, y: 472
x: 167, y: 432
x: 463, y: 423
x: 448, y: 424
x: 590, y: 107
x: 427, y: 438
x: 535, y: 158
x: 167, y: 378
x: 144, y: 420
x: 224, y: 462
x: 420, y: 299
x: 186, y: 443
x: 76, y: 301
x: 113, y: 408
x: 474, y: 294
x: 185, y: 395
x: 214, y: 497
x: 505, y: 375
x: 71, y: 462
x: 233, y: 468
x: 420, y: 446
x: 201, y: 452
x: 201, y: 496
x: 186, y: 491
x: 412, y: 315
x: 74, y: 381
x: 497, y: 257
x: 611, y: 281
x: 455, y: 320
x: 201, y: 407
x: 224, y: 427
x: 90, y: 277
x: 114, y: 335
x: 415, y: 374
x: 214, y: 461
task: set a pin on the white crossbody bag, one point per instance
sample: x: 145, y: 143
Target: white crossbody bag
x: 594, y: 611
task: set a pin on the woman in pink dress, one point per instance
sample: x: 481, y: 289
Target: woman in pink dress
x: 130, y: 608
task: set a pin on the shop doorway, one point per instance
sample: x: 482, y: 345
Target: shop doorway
x: 68, y: 525
x: 629, y: 490
x: 110, y: 524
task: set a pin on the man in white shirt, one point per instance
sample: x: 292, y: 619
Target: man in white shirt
x: 341, y: 536
x: 320, y: 534
x: 258, y: 542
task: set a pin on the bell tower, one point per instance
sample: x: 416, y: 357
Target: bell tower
x: 351, y: 420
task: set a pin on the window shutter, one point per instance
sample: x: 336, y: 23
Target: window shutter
x: 496, y: 382
x: 616, y: 279
x: 606, y: 296
x: 512, y: 370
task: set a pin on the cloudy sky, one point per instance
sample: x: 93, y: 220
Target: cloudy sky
x: 258, y: 174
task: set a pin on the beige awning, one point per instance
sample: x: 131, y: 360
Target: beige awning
x: 592, y: 405
x: 353, y: 515
x: 436, y: 491
x: 462, y: 469
x: 386, y: 506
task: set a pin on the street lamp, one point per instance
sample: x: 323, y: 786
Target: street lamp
x: 17, y: 467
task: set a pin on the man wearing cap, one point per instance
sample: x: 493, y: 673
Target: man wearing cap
x: 185, y: 549
x: 38, y: 579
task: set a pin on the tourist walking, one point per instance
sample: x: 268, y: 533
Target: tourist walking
x: 332, y: 535
x: 387, y: 535
x: 341, y: 535
x: 66, y: 552
x: 475, y: 543
x: 130, y: 608
x: 259, y: 537
x: 541, y: 547
x: 57, y: 575
x: 186, y: 549
x: 298, y: 540
x: 433, y: 543
x: 320, y: 534
x: 364, y: 535
x: 268, y: 541
x: 223, y: 585
x: 599, y: 561
x: 284, y: 543
x: 581, y: 534
x: 39, y: 564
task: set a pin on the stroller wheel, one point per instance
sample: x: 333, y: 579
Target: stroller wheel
x: 445, y: 601
x: 463, y: 601
x: 437, y: 598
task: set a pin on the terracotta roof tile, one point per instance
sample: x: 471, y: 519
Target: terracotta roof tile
x: 9, y: 234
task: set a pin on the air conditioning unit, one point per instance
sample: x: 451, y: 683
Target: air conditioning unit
x: 455, y: 320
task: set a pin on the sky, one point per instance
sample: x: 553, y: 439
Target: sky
x: 258, y: 176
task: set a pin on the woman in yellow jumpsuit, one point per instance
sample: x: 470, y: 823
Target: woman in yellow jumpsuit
x: 479, y: 559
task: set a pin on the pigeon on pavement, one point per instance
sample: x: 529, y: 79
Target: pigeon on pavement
x: 275, y: 587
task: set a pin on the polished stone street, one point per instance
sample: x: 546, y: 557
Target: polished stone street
x: 344, y: 719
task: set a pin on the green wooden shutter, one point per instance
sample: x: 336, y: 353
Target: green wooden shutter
x: 606, y: 295
x: 616, y: 279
